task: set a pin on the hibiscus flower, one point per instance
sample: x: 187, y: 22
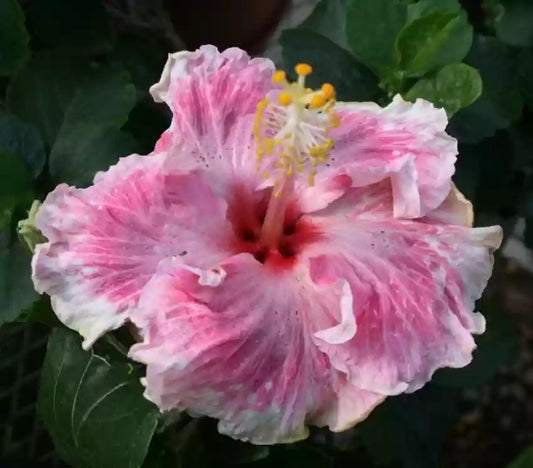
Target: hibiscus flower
x: 287, y: 259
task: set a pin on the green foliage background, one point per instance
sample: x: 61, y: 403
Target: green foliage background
x: 73, y: 99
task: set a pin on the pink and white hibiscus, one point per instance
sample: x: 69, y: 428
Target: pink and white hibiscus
x: 288, y: 259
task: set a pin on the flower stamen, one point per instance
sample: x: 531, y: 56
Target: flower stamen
x: 294, y: 124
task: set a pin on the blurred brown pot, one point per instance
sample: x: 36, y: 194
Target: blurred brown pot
x: 243, y: 23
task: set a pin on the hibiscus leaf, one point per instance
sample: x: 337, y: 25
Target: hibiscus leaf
x: 16, y: 184
x: 372, y: 27
x: 86, y: 149
x: 526, y: 76
x: 14, y: 39
x: 16, y: 287
x: 106, y: 100
x: 515, y: 26
x: 327, y: 19
x: 410, y: 429
x: 89, y: 139
x: 41, y: 312
x: 16, y: 191
x: 524, y: 460
x: 42, y: 90
x: 501, y: 102
x: 433, y: 41
x: 467, y: 171
x: 93, y: 408
x: 425, y: 7
x: 146, y: 123
x: 331, y: 63
x: 142, y: 57
x: 81, y: 25
x: 18, y: 137
x: 453, y: 87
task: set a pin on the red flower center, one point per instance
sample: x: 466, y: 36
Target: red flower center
x: 247, y: 213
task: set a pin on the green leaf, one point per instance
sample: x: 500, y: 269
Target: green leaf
x: 467, y: 171
x: 526, y: 76
x: 28, y: 233
x: 425, y: 7
x: 106, y: 100
x: 371, y: 28
x: 42, y: 91
x: 142, y: 58
x: 327, y: 19
x: 77, y: 157
x: 81, y: 25
x: 89, y: 138
x: 497, y: 190
x: 525, y: 460
x: 453, y: 87
x: 14, y: 38
x: 495, y: 348
x: 16, y: 184
x: 16, y: 287
x: 433, y: 41
x: 92, y: 407
x: 146, y: 123
x: 515, y: 26
x: 498, y: 66
x: 501, y: 102
x: 41, y: 312
x: 410, y: 428
x: 331, y: 63
x: 521, y: 135
x: 18, y: 137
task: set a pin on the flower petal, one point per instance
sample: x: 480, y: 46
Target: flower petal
x: 405, y: 142
x: 351, y: 406
x: 106, y: 241
x: 345, y: 330
x: 213, y: 97
x: 243, y: 351
x: 414, y: 286
x: 455, y: 209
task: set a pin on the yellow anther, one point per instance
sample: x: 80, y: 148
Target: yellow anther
x: 284, y: 98
x: 335, y: 121
x: 303, y: 69
x: 278, y: 76
x: 328, y: 91
x: 269, y: 145
x: 298, y: 136
x: 318, y: 100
